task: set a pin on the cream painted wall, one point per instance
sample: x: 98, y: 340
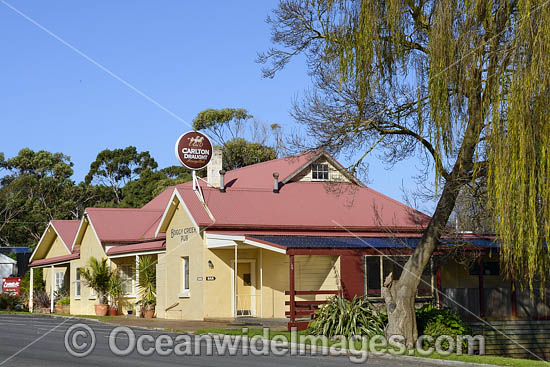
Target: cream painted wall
x: 213, y: 299
x: 47, y: 276
x: 218, y: 294
x: 56, y: 248
x: 89, y: 247
x: 170, y: 270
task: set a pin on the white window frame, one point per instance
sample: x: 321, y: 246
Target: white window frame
x: 77, y: 284
x: 185, y: 277
x: 59, y: 280
x: 381, y: 262
x: 319, y: 168
x: 128, y: 275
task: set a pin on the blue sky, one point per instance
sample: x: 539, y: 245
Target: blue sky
x: 187, y: 55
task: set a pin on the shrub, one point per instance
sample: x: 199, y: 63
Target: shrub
x: 9, y: 301
x: 64, y: 301
x: 347, y: 318
x: 38, y: 282
x: 428, y: 314
x: 435, y: 330
x: 41, y: 299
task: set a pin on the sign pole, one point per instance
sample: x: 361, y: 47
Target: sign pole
x: 194, y: 151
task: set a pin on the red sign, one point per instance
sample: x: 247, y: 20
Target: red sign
x: 11, y: 285
x: 194, y: 150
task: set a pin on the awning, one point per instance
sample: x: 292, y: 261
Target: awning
x: 314, y: 242
x: 55, y: 260
x: 137, y: 248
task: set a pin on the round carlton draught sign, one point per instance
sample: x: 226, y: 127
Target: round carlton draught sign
x: 194, y: 150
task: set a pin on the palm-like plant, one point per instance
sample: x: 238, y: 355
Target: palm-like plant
x: 147, y: 279
x: 97, y: 276
x: 116, y: 292
x: 347, y: 318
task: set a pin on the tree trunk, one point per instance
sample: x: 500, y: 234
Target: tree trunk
x: 399, y: 295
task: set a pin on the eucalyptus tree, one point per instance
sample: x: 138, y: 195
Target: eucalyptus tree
x: 116, y: 168
x: 464, y: 83
x: 36, y: 188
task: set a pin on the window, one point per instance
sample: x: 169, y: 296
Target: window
x: 126, y: 273
x: 59, y: 277
x: 319, y: 171
x: 377, y: 268
x: 185, y: 274
x: 77, y: 284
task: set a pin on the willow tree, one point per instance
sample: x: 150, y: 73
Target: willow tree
x: 464, y: 83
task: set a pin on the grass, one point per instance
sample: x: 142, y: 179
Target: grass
x: 500, y: 361
x: 10, y: 312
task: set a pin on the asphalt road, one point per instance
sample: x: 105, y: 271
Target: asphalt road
x: 40, y: 341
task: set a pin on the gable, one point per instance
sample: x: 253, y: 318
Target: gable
x: 174, y: 204
x: 306, y: 174
x: 89, y: 244
x: 50, y: 245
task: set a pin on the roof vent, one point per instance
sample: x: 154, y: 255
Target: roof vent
x: 276, y: 182
x: 222, y: 180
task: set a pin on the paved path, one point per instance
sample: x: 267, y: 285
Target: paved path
x: 40, y: 341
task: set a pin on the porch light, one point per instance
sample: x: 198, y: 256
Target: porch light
x: 210, y: 264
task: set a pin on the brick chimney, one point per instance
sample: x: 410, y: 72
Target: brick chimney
x: 214, y: 167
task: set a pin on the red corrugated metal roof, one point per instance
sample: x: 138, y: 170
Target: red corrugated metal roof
x: 160, y: 201
x: 304, y: 206
x: 67, y: 230
x: 260, y: 175
x: 55, y: 260
x: 138, y: 247
x: 124, y: 225
x: 327, y: 233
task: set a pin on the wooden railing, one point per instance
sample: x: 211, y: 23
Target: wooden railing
x: 300, y: 309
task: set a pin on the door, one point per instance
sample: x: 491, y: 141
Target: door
x: 244, y: 290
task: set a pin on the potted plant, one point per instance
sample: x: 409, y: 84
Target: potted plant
x: 96, y: 276
x: 116, y: 294
x: 63, y: 305
x: 147, y: 285
x: 61, y: 300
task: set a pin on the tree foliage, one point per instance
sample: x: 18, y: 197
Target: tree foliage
x: 463, y: 83
x: 115, y: 168
x: 222, y: 123
x: 36, y: 189
x: 239, y: 153
x: 38, y: 186
x: 139, y: 192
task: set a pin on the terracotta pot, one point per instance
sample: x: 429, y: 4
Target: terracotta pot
x: 58, y: 309
x: 101, y: 310
x: 113, y: 311
x: 149, y: 314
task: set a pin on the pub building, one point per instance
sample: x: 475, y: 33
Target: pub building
x: 271, y: 240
